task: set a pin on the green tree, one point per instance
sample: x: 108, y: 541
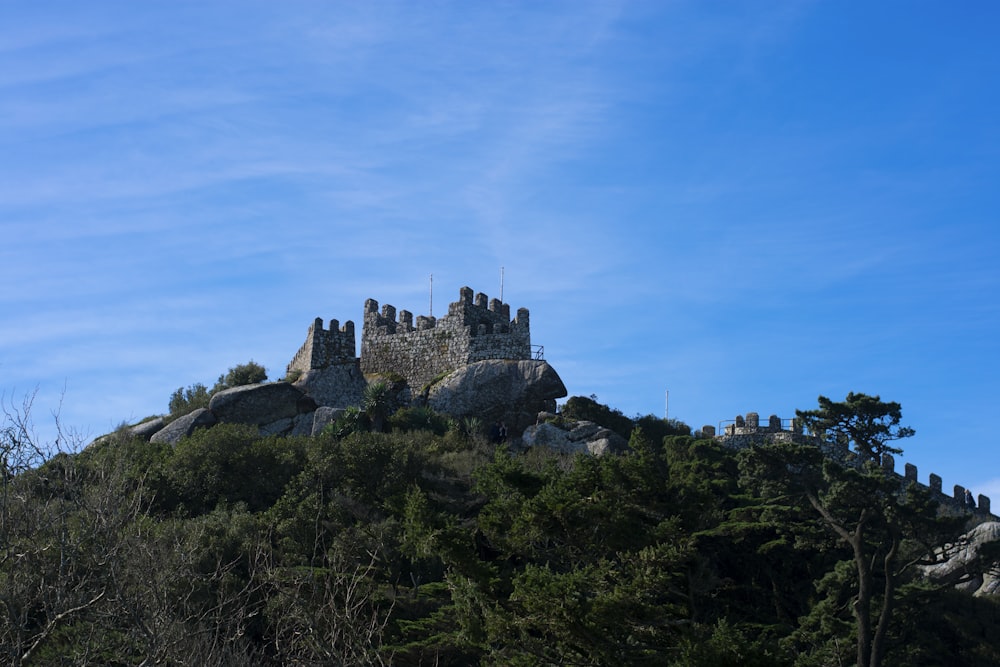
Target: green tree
x: 887, y: 529
x: 184, y: 401
x: 656, y: 429
x: 866, y: 422
x: 588, y: 409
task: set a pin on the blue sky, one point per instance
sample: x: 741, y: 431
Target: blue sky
x: 747, y: 204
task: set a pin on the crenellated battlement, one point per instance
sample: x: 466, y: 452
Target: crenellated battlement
x: 325, y: 347
x: 744, y: 432
x: 476, y: 328
x: 420, y: 349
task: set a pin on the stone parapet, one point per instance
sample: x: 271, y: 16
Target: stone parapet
x: 420, y: 349
x: 746, y: 431
x: 475, y: 329
x: 325, y: 347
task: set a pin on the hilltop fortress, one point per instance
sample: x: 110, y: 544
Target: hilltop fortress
x: 476, y: 361
x: 473, y: 362
x: 475, y: 329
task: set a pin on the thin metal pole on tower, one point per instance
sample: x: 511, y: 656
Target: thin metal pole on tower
x: 666, y: 406
x: 430, y: 310
x: 501, y: 284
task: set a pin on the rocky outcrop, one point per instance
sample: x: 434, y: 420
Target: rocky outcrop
x: 962, y: 567
x: 184, y: 426
x: 148, y: 428
x: 336, y: 386
x: 573, y: 438
x: 260, y: 404
x: 512, y: 391
x: 494, y: 390
x: 323, y: 416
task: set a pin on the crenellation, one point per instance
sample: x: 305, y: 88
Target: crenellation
x: 325, y: 347
x: 743, y: 432
x: 935, y: 483
x: 475, y: 329
x: 406, y: 320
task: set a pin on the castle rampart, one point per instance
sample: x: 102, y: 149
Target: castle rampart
x: 325, y: 347
x: 744, y: 432
x: 475, y: 329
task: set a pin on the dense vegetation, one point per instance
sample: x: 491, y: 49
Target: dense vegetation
x: 429, y: 545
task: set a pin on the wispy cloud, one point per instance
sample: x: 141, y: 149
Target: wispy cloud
x: 725, y: 202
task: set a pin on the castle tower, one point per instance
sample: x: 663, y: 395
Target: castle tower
x: 475, y: 329
x: 325, y: 347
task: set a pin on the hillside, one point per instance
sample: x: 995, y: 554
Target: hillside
x: 430, y: 544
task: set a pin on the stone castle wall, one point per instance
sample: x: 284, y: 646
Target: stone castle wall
x: 746, y: 431
x: 325, y: 347
x: 475, y: 329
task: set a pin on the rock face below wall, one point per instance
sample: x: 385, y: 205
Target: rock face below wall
x: 336, y: 386
x: 494, y: 390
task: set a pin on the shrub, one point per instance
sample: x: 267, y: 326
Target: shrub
x: 419, y: 419
x: 588, y: 409
x: 184, y: 401
x: 242, y: 374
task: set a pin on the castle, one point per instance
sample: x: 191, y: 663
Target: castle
x: 479, y: 329
x: 475, y: 329
x: 743, y: 432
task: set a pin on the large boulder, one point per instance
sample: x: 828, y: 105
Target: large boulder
x: 148, y: 428
x: 336, y: 386
x: 184, y: 426
x: 577, y: 437
x: 258, y: 404
x: 289, y: 426
x: 495, y: 390
x: 961, y: 567
x: 324, y: 416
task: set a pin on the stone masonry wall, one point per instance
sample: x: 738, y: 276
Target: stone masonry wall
x: 475, y: 329
x: 325, y: 347
x: 746, y: 431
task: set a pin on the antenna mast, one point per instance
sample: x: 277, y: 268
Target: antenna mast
x: 666, y: 406
x: 501, y: 284
x: 430, y: 310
